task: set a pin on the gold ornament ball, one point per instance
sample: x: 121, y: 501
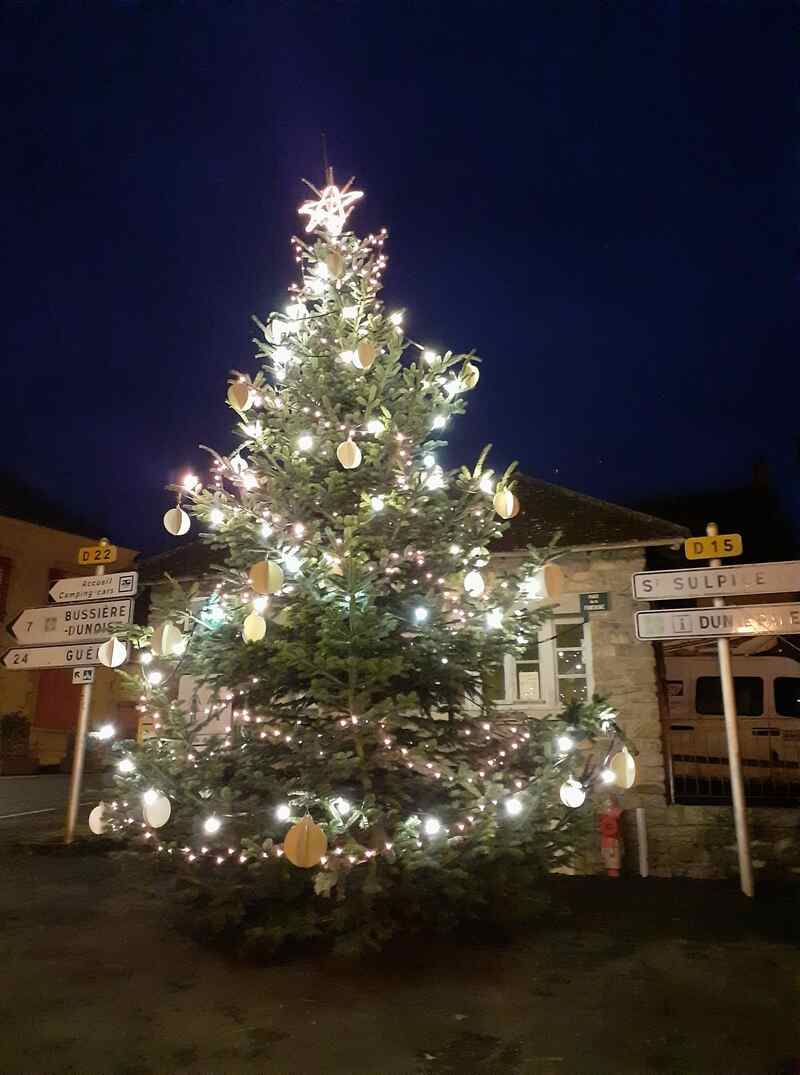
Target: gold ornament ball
x: 266, y: 577
x: 176, y: 522
x: 167, y: 640
x: 505, y: 504
x: 254, y: 628
x: 305, y: 843
x: 470, y: 375
x: 623, y: 766
x: 334, y: 262
x: 240, y: 396
x: 349, y: 454
x: 112, y: 653
x: 366, y: 353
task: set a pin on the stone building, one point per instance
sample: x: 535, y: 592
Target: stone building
x: 36, y: 551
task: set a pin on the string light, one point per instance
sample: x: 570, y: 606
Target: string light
x: 212, y: 825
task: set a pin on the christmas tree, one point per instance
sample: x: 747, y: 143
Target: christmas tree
x: 340, y: 769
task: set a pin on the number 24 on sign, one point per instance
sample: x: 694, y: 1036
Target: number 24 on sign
x: 708, y: 548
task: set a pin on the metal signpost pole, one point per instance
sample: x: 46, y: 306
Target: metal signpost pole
x: 81, y: 732
x: 734, y: 756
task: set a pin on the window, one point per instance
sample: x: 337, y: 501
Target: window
x: 749, y: 691
x: 554, y: 670
x: 787, y: 696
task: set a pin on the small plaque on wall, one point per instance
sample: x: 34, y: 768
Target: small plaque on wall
x: 594, y: 602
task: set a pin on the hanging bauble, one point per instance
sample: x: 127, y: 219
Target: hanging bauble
x: 97, y: 819
x: 176, y: 522
x: 335, y: 263
x: 240, y: 396
x: 623, y: 766
x: 545, y: 584
x: 572, y: 793
x: 275, y: 331
x: 156, y: 811
x: 254, y: 627
x: 266, y: 577
x: 112, y: 653
x: 349, y: 454
x: 470, y: 376
x: 474, y: 583
x: 305, y: 843
x: 505, y: 504
x: 366, y: 353
x: 167, y: 641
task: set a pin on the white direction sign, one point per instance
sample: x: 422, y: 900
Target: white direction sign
x: 23, y: 660
x: 781, y: 577
x: 95, y: 587
x: 739, y: 621
x: 83, y: 675
x: 70, y: 623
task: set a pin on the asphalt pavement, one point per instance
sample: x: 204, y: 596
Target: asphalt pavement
x: 39, y: 803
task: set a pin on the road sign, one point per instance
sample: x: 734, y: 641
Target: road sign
x: 69, y: 623
x: 707, y: 548
x: 83, y: 675
x: 691, y: 582
x: 95, y: 587
x: 740, y: 621
x: 25, y: 660
x: 97, y: 554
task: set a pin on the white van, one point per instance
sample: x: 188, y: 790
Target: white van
x: 768, y: 707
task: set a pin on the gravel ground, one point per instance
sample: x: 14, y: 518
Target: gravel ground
x: 626, y: 977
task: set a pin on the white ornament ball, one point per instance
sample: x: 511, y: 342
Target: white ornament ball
x: 545, y: 584
x: 366, y: 353
x: 505, y: 504
x: 349, y: 454
x: 266, y: 577
x: 623, y: 766
x: 176, y: 522
x: 97, y: 819
x: 572, y: 793
x: 167, y: 640
x: 157, y: 812
x: 240, y: 396
x: 112, y: 653
x: 254, y: 627
x: 474, y: 583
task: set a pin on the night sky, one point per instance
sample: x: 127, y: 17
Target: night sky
x: 600, y: 198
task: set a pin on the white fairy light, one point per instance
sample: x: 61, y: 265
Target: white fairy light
x: 513, y: 807
x: 283, y: 812
x: 260, y: 603
x: 376, y: 503
x: 282, y: 355
x: 396, y: 318
x: 305, y: 442
x: 190, y: 482
x: 126, y: 766
x: 212, y: 825
x: 429, y: 460
x: 452, y: 387
x: 216, y: 516
x: 104, y: 732
x: 486, y: 485
x: 432, y: 826
x: 375, y: 426
x: 292, y: 563
x: 154, y: 678
x: 430, y: 357
x: 439, y: 422
x: 342, y: 806
x: 249, y: 480
x: 266, y: 530
x: 565, y: 743
x: 149, y: 796
x: 421, y: 614
x: 146, y: 657
x: 608, y: 776
x: 494, y: 619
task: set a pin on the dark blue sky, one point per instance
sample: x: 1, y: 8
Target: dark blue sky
x: 602, y: 199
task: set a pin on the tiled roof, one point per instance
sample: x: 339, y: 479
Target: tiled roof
x: 544, y: 509
x: 582, y: 520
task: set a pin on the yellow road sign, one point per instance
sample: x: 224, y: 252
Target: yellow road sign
x: 709, y: 548
x: 97, y: 554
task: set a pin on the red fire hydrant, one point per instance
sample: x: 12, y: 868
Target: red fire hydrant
x: 610, y: 849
